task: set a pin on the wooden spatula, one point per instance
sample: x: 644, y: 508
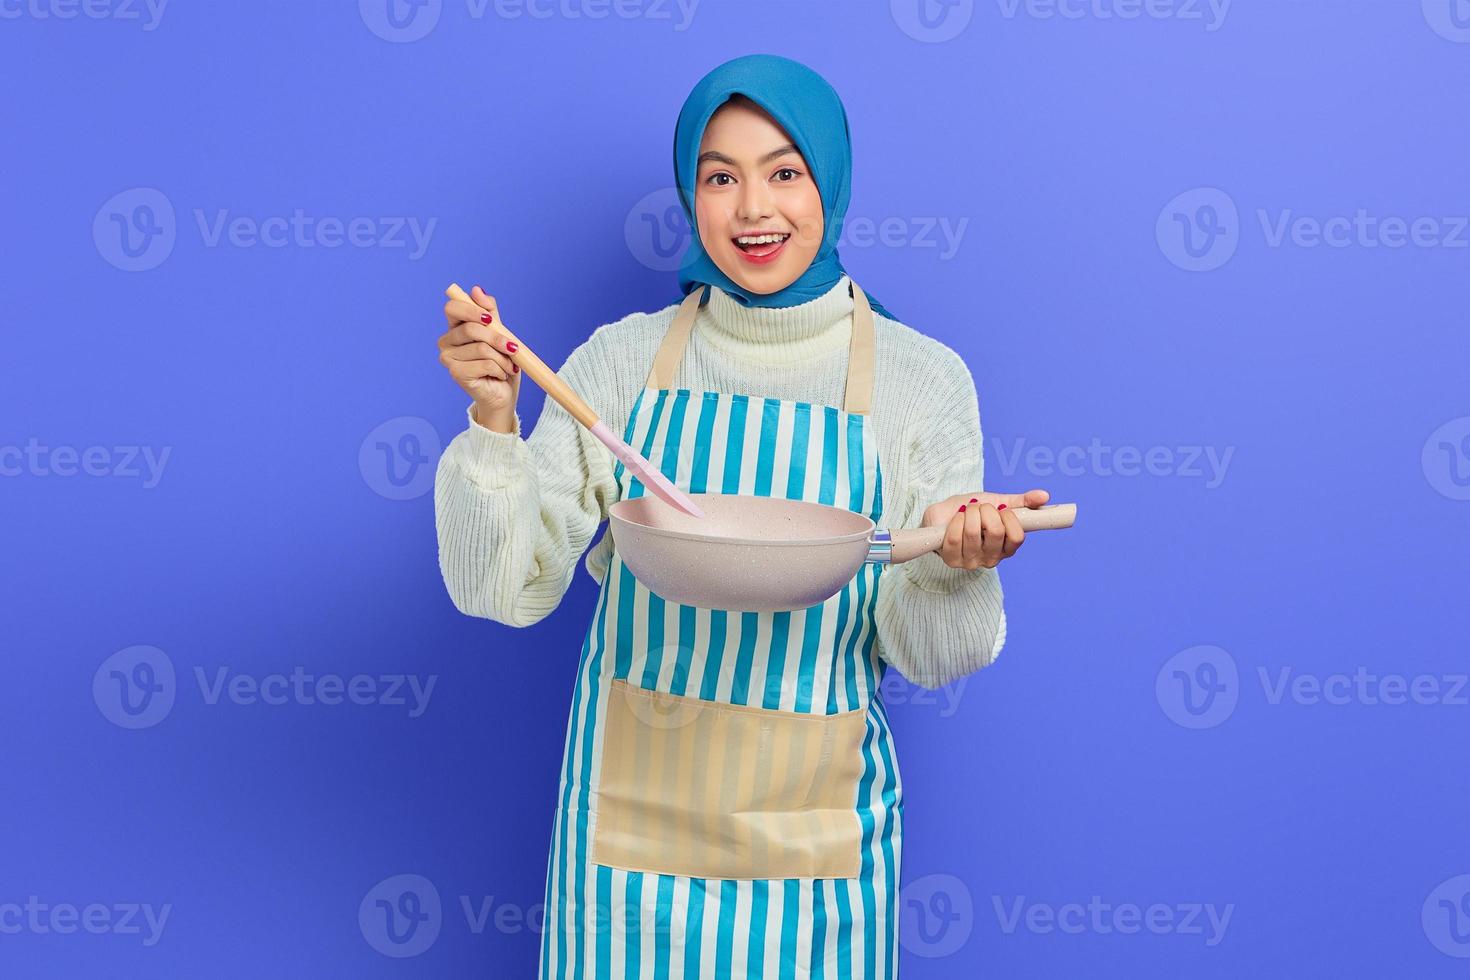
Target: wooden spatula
x: 536, y: 369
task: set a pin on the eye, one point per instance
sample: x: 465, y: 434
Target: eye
x: 719, y: 173
x: 788, y: 170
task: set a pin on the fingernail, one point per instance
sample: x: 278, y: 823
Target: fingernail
x: 512, y: 346
x: 962, y: 507
x: 1001, y: 507
x: 974, y: 500
x: 485, y: 318
x: 515, y: 367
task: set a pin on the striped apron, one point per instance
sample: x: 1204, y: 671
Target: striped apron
x: 774, y: 852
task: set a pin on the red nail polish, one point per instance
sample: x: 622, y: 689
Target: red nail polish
x: 485, y: 318
x: 1001, y: 507
x: 974, y: 500
x: 515, y: 367
x: 512, y: 346
x: 962, y: 507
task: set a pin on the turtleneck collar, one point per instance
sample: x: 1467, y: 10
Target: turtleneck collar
x: 778, y: 335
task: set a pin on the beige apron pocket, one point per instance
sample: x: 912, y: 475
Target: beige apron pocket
x: 713, y: 790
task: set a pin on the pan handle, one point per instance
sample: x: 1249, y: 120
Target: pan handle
x: 907, y: 543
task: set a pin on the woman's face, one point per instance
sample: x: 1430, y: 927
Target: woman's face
x: 751, y: 181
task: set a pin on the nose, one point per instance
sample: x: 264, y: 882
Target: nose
x: 754, y: 201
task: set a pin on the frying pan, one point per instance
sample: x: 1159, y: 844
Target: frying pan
x: 768, y: 554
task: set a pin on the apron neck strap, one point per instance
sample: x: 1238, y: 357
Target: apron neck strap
x: 859, y: 395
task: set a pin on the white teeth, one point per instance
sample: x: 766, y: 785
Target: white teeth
x: 761, y: 239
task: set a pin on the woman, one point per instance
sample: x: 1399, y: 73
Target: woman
x: 730, y: 802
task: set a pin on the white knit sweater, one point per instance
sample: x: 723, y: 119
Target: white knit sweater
x: 514, y: 515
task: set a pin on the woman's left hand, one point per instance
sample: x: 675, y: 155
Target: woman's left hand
x: 982, y: 530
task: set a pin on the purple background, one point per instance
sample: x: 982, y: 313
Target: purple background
x: 1337, y: 378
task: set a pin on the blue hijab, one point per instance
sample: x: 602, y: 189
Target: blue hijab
x: 809, y: 109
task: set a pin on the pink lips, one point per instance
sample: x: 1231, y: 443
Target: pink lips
x: 761, y: 258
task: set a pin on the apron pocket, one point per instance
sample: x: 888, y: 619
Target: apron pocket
x: 707, y: 789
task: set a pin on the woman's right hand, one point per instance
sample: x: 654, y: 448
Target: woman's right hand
x: 476, y: 354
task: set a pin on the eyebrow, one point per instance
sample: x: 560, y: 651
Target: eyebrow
x: 719, y: 157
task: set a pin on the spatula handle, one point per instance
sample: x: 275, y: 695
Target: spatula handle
x: 537, y: 371
x: 911, y: 542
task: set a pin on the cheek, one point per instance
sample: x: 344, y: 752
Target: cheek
x: 806, y: 214
x: 711, y: 218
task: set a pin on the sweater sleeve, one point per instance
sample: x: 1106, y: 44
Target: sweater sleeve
x: 937, y: 624
x: 514, y: 514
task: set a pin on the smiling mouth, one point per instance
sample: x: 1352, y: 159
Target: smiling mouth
x: 763, y: 244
